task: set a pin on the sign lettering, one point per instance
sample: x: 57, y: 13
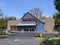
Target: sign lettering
x: 29, y: 19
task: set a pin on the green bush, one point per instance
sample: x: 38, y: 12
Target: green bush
x: 50, y: 42
x: 3, y: 33
x: 58, y: 42
x: 37, y: 35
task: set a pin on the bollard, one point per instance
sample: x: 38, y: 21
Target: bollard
x: 40, y: 35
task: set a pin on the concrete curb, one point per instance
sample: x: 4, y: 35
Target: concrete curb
x: 38, y: 38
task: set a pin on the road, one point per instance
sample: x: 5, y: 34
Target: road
x: 24, y: 38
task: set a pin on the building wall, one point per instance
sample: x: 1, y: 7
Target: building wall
x: 13, y: 23
x: 40, y: 27
x: 49, y: 25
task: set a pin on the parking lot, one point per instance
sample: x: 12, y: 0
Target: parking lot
x: 19, y: 39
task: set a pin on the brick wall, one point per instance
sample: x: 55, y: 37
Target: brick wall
x: 13, y: 23
x: 49, y: 25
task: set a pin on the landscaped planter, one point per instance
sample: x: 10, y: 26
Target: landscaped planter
x: 3, y: 35
x: 50, y: 42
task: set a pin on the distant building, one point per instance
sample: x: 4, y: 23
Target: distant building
x: 31, y: 22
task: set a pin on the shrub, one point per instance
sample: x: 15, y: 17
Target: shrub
x: 37, y: 35
x: 58, y: 42
x: 50, y: 42
x: 3, y: 33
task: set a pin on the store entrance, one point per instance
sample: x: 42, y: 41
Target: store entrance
x: 27, y: 28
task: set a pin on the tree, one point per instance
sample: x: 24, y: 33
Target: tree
x: 1, y: 14
x: 57, y: 18
x: 57, y: 15
x: 57, y: 21
x: 36, y: 11
x: 57, y: 5
x: 9, y: 18
x: 12, y: 18
x: 3, y: 23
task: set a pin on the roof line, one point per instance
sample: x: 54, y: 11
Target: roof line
x: 35, y: 17
x: 32, y: 15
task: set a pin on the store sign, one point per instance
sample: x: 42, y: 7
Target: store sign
x: 29, y: 19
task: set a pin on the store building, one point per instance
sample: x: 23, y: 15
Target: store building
x: 32, y: 23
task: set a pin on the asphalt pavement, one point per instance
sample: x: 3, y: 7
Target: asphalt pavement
x: 19, y: 38
x: 22, y: 35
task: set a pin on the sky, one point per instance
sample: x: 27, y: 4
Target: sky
x: 18, y: 7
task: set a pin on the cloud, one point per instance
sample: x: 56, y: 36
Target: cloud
x: 2, y: 4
